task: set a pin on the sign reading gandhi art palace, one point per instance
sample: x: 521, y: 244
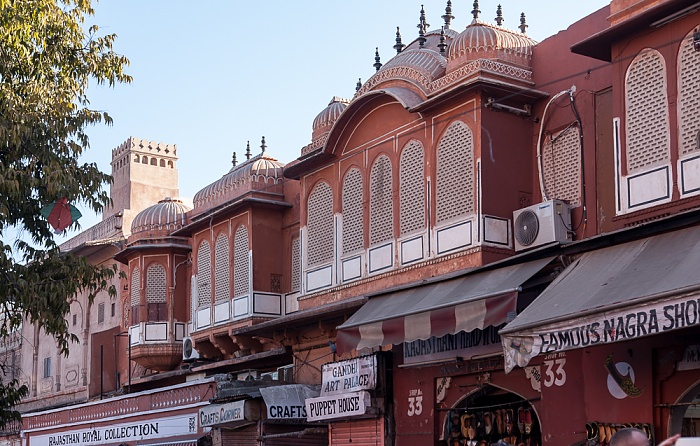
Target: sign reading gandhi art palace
x: 349, y: 376
x: 121, y: 433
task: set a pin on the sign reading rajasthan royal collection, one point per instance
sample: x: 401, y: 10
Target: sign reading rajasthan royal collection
x: 121, y: 433
x: 463, y: 344
x: 349, y: 376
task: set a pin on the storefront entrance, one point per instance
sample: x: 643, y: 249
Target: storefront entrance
x: 490, y: 416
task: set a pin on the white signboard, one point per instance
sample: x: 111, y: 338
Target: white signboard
x: 602, y: 328
x: 349, y: 376
x: 121, y: 433
x: 221, y: 413
x: 337, y: 406
x: 287, y: 402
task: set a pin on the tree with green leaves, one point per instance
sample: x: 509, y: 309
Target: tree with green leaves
x: 48, y: 57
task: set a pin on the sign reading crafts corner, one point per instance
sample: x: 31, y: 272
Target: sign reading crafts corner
x: 349, y: 376
x: 337, y: 406
x: 222, y: 413
x: 601, y: 328
x: 121, y: 433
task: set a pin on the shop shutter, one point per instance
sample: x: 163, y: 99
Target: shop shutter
x: 368, y: 432
x: 244, y: 436
x: 308, y: 439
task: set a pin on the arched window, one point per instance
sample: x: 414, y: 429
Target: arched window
x: 222, y: 276
x: 162, y: 163
x: 204, y: 274
x: 241, y: 263
x: 320, y: 225
x: 455, y: 173
x: 412, y: 188
x: 381, y: 203
x: 136, y: 158
x: 156, y: 293
x: 646, y: 112
x: 144, y: 160
x: 353, y: 215
x: 154, y: 162
x: 135, y: 295
x: 170, y: 164
x: 688, y: 97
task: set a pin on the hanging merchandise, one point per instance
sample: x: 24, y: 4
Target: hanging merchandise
x: 60, y: 214
x: 496, y: 425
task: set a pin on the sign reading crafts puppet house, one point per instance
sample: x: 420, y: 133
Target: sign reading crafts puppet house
x: 344, y: 389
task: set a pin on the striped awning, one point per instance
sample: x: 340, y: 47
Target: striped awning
x: 465, y: 303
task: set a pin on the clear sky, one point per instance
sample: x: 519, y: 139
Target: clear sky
x: 211, y: 75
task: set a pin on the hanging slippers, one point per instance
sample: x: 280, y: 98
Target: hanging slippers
x: 508, y: 420
x: 500, y: 427
x: 488, y: 423
x: 527, y: 420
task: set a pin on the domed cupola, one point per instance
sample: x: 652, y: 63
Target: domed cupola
x: 481, y: 40
x: 257, y: 173
x: 325, y: 120
x: 164, y: 217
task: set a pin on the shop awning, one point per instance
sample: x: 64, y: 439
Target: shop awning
x: 473, y: 301
x: 617, y: 293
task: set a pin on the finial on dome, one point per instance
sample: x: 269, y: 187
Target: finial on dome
x: 399, y: 45
x: 247, y: 151
x: 234, y: 161
x: 523, y: 25
x: 263, y: 146
x: 359, y: 84
x: 475, y: 11
x: 442, y: 45
x: 448, y: 17
x: 377, y: 61
x: 422, y: 27
x: 499, y: 15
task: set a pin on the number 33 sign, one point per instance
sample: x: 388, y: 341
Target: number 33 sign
x: 415, y: 402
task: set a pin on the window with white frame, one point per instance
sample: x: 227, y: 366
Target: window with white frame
x: 455, y: 173
x: 353, y: 215
x: 412, y: 188
x: 381, y: 202
x: 204, y: 274
x: 241, y: 263
x: 222, y: 269
x: 320, y: 225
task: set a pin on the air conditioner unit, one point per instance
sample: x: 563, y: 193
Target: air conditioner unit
x: 541, y: 224
x: 189, y: 354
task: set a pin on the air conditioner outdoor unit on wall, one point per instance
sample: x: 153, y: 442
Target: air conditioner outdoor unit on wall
x: 189, y: 354
x: 541, y: 224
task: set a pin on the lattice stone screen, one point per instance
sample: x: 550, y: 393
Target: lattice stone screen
x: 688, y: 97
x: 455, y: 173
x: 352, y: 211
x: 155, y: 284
x: 381, y: 203
x: 296, y: 265
x: 135, y: 287
x: 320, y: 225
x: 412, y: 188
x: 561, y: 161
x: 241, y: 262
x: 204, y: 274
x: 222, y: 276
x: 646, y: 106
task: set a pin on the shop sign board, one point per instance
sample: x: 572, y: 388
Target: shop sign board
x: 222, y: 413
x: 463, y: 345
x: 691, y: 358
x: 288, y: 402
x: 337, y: 406
x: 350, y: 375
x: 137, y: 430
x: 601, y: 328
